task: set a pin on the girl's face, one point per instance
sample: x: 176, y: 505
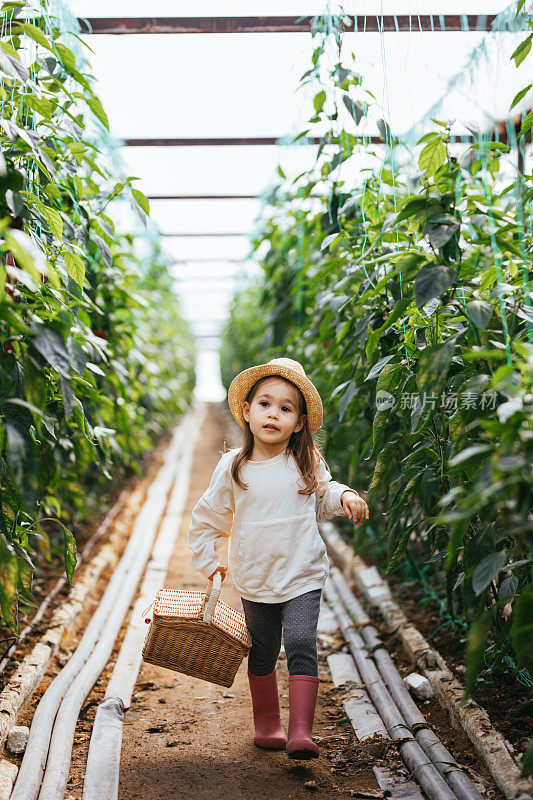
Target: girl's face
x: 274, y: 411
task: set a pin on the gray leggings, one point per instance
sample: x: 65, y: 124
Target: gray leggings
x: 299, y: 619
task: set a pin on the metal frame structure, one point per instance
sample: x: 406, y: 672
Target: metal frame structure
x: 388, y: 23
x: 253, y: 141
x: 434, y: 23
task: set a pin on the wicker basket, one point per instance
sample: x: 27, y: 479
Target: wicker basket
x: 193, y: 633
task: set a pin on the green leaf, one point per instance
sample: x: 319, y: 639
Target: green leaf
x: 12, y: 65
x: 17, y: 401
x: 488, y: 278
x: 468, y: 452
x: 70, y: 552
x: 522, y: 50
x: 23, y: 456
x: 53, y: 219
x: 98, y: 110
x: 429, y: 137
x: 8, y: 586
x: 487, y: 570
x: 95, y: 368
x: 67, y: 57
x: 34, y: 33
x: 440, y: 228
x: 412, y: 206
x: 527, y: 124
x: 373, y: 338
x: 432, y: 157
x: 75, y: 267
x: 40, y: 104
x: 399, y: 549
x: 78, y: 356
x: 354, y: 108
x: 319, y: 100
x: 103, y: 247
x: 142, y: 200
x: 522, y: 629
x: 52, y: 347
x: 431, y: 281
x: 431, y: 369
x: 480, y: 312
x: 400, y: 307
x: 339, y: 388
x: 378, y: 366
x: 346, y: 399
x: 333, y: 239
x: 475, y: 649
x: 25, y: 252
x: 386, y: 385
x: 508, y: 587
x: 522, y: 93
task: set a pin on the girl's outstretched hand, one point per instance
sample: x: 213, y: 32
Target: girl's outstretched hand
x: 222, y: 571
x: 354, y: 507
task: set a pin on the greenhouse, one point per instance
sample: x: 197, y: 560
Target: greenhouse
x: 266, y: 369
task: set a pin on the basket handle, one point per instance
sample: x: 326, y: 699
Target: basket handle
x: 212, y: 594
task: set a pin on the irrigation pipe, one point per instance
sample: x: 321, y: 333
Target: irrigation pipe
x: 35, y: 756
x: 426, y: 737
x: 30, y: 672
x: 34, y: 665
x: 423, y: 770
x: 102, y: 528
x: 489, y: 744
x: 102, y: 772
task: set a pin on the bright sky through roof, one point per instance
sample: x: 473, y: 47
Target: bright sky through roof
x: 174, y: 8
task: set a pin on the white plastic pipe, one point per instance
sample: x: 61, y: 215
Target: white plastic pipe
x: 33, y: 764
x: 102, y: 773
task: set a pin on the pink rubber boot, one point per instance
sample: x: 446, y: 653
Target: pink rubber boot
x: 265, y: 702
x: 303, y: 690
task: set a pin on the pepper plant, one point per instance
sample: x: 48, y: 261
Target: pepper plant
x: 90, y: 378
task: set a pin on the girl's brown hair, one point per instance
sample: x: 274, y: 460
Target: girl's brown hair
x: 301, y: 445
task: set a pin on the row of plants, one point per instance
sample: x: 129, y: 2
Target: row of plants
x: 407, y: 296
x: 90, y: 377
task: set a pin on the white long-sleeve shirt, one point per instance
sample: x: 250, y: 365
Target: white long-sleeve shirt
x: 275, y: 548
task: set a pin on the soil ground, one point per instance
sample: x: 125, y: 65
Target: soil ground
x: 47, y: 574
x: 187, y: 737
x: 498, y: 694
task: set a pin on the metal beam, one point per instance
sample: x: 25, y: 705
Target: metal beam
x: 218, y: 140
x: 259, y: 140
x: 388, y: 23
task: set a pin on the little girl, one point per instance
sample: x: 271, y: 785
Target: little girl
x: 269, y: 495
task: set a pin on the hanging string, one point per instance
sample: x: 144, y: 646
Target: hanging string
x: 388, y: 148
x: 496, y: 252
x: 299, y: 270
x: 519, y: 205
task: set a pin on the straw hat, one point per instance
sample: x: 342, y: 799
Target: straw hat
x: 285, y: 368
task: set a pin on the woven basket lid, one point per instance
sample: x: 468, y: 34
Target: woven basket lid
x: 286, y: 368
